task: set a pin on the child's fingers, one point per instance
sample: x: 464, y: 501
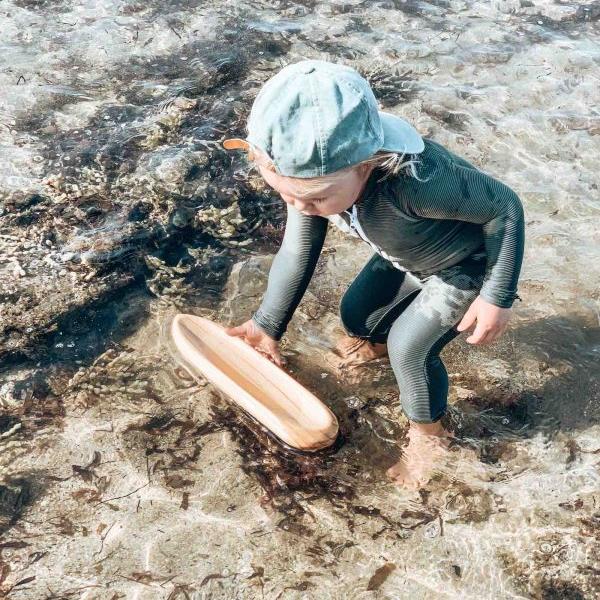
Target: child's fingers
x: 274, y: 358
x: 274, y: 355
x: 238, y: 331
x: 479, y: 335
x: 487, y: 334
x: 495, y: 334
x: 468, y: 320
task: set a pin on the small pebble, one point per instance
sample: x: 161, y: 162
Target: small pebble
x: 432, y: 530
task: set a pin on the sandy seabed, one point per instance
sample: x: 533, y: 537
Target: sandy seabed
x: 120, y: 477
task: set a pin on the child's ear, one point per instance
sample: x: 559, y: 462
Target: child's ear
x: 364, y: 169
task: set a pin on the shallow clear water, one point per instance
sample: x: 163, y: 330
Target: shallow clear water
x: 121, y: 477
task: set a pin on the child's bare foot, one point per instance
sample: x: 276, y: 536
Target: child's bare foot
x: 428, y: 444
x: 351, y: 352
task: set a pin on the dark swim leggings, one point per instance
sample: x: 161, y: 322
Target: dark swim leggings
x: 416, y: 316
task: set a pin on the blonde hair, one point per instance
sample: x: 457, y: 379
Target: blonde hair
x: 391, y: 163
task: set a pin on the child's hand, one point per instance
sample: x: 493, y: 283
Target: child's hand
x: 258, y: 339
x: 490, y: 321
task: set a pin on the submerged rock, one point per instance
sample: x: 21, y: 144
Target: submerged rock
x: 15, y: 495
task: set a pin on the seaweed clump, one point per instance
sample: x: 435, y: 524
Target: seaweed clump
x: 290, y: 479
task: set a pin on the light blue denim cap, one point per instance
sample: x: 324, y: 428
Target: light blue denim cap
x: 316, y: 117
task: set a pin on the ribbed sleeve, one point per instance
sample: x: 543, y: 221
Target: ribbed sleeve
x: 291, y: 271
x: 467, y: 194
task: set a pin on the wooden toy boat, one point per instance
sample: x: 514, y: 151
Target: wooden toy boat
x: 267, y: 393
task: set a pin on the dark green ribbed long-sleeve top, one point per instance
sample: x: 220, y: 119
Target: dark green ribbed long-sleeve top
x: 422, y: 226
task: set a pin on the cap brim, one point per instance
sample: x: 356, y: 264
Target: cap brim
x: 236, y: 144
x: 399, y: 135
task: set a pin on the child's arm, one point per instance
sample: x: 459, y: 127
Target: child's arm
x: 291, y: 271
x: 466, y: 194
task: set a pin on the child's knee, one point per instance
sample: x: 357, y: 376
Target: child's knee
x: 353, y: 322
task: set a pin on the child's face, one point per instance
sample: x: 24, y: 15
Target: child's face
x: 331, y: 199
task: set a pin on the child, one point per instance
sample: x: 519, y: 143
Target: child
x: 447, y: 238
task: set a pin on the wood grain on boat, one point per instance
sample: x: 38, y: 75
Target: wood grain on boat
x: 277, y: 401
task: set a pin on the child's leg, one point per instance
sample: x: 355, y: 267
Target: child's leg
x: 420, y: 332
x: 414, y: 343
x: 369, y: 307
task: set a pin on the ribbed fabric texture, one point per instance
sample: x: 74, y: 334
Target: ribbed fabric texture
x: 291, y: 271
x: 425, y: 226
x: 416, y: 319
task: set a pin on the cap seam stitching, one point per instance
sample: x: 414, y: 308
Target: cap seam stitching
x: 363, y: 101
x: 319, y: 130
